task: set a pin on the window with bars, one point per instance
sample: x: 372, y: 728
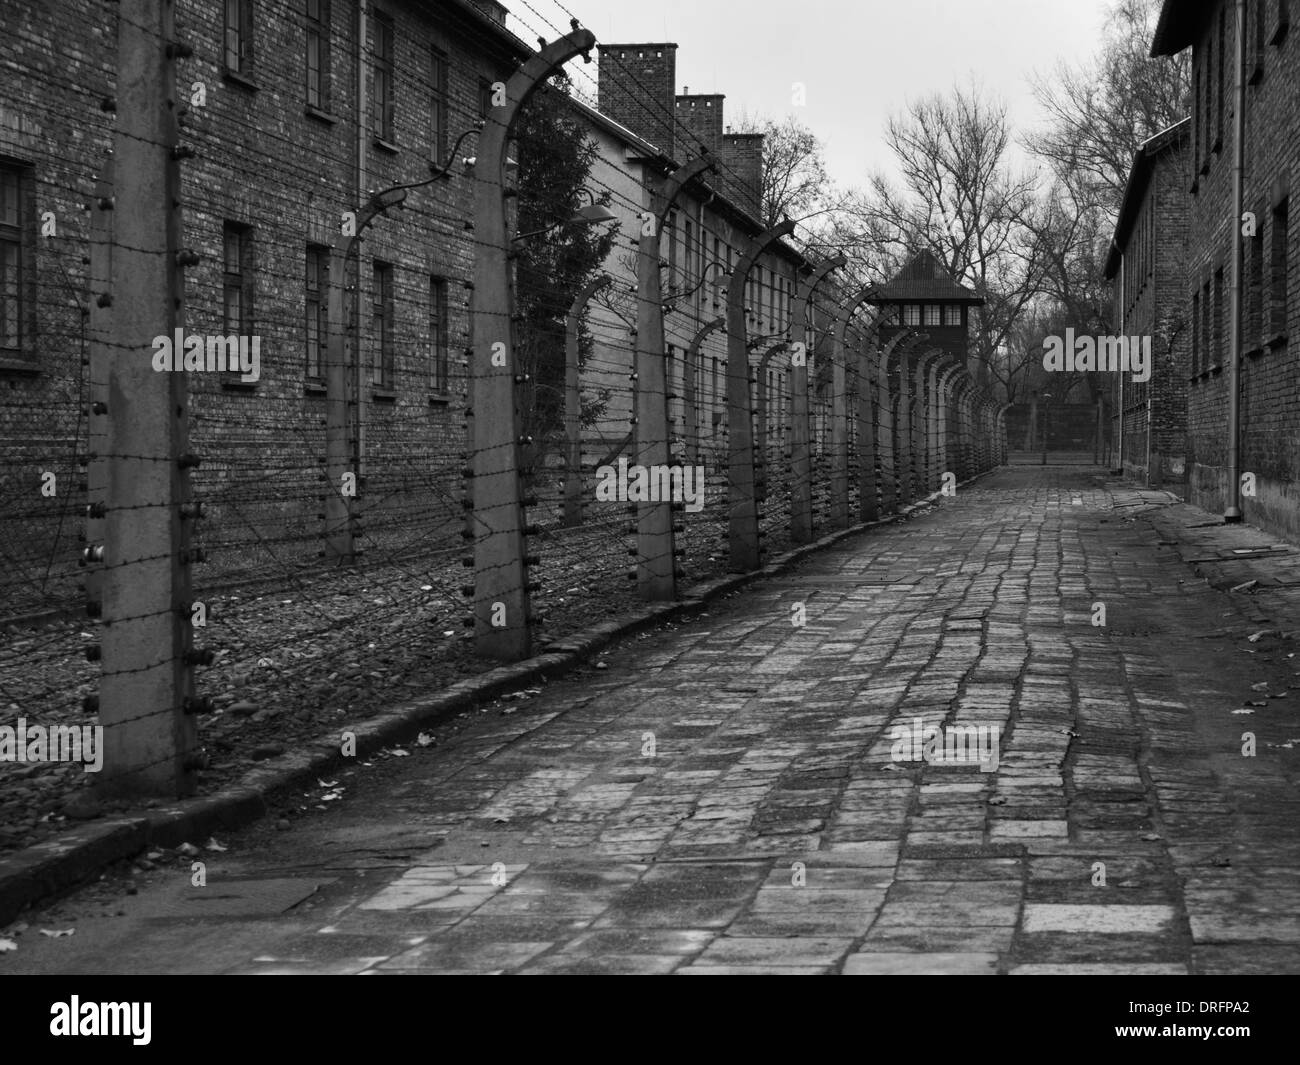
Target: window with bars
x: 930, y: 314
x: 238, y: 57
x: 438, y: 79
x: 1255, y: 318
x: 952, y: 314
x: 236, y: 304
x: 381, y: 326
x: 911, y: 313
x: 1196, y: 332
x: 384, y: 101
x: 1220, y: 320
x: 317, y: 331
x: 318, y: 54
x: 439, y: 349
x: 15, y: 305
x: 1280, y: 268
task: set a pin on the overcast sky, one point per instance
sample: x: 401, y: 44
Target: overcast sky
x: 861, y: 61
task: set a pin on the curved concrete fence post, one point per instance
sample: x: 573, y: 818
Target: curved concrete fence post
x: 573, y: 401
x: 905, y: 354
x: 762, y: 421
x: 926, y: 378
x: 742, y: 519
x: 801, y: 429
x: 690, y: 392
x: 840, y: 412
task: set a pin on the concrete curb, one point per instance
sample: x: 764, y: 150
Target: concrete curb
x: 72, y: 858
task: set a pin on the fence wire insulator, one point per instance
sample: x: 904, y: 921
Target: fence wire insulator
x: 93, y: 553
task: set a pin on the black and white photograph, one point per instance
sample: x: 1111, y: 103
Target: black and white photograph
x: 597, y: 487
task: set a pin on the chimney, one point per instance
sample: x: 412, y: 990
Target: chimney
x: 635, y: 85
x: 699, y: 122
x: 742, y: 171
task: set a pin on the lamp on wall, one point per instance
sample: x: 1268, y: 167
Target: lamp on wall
x: 589, y: 215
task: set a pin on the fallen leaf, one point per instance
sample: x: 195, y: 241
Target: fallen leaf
x: 7, y: 944
x: 424, y: 739
x: 58, y: 933
x: 213, y: 845
x: 397, y: 752
x: 1262, y: 686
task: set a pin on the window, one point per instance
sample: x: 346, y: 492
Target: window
x: 911, y: 313
x: 672, y: 251
x: 1207, y: 329
x: 952, y: 314
x: 16, y: 306
x: 484, y: 97
x: 438, y: 108
x: 381, y: 326
x: 1196, y: 332
x: 1220, y: 321
x: 688, y: 263
x: 1255, y: 325
x: 1280, y: 267
x: 718, y: 272
x: 318, y: 54
x: 438, y: 350
x: 239, y: 37
x: 1196, y: 122
x: 930, y: 314
x: 318, y: 259
x: 383, y: 83
x: 1281, y: 23
x: 236, y: 304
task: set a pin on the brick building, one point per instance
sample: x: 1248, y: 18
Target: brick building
x: 1148, y: 266
x: 292, y: 124
x: 1270, y: 306
x: 643, y: 129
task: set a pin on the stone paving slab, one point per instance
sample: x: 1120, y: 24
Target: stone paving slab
x: 786, y: 823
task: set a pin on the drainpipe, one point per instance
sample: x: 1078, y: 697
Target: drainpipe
x: 1232, y: 515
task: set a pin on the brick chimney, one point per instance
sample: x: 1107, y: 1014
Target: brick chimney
x: 699, y: 121
x: 741, y: 157
x: 636, y: 87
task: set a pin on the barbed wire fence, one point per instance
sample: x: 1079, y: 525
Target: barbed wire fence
x: 192, y: 519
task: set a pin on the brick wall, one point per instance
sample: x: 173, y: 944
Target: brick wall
x: 1270, y: 384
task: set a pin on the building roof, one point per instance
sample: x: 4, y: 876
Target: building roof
x: 923, y: 279
x: 718, y: 201
x: 1145, y: 160
x: 1181, y: 22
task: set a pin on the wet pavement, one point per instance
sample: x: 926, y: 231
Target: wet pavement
x: 760, y: 789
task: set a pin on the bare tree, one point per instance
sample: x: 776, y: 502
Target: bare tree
x: 795, y: 180
x: 1102, y: 111
x: 960, y: 200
